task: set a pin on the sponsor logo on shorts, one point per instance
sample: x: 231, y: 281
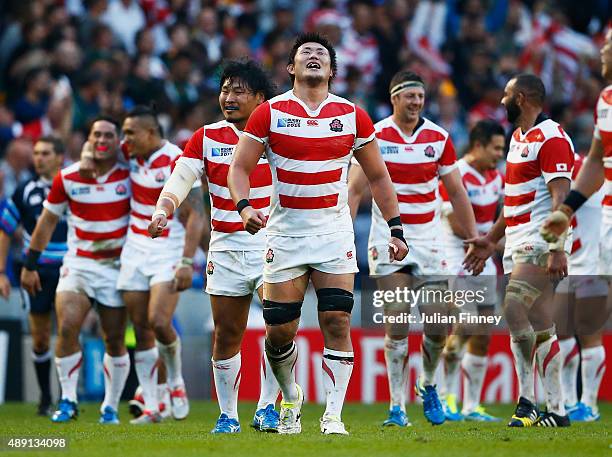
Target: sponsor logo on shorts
x: 336, y: 125
x: 80, y: 190
x: 221, y: 152
x: 210, y: 268
x: 430, y: 151
x: 270, y: 256
x: 288, y: 122
x: 312, y: 123
x: 389, y: 150
x: 374, y: 253
x: 160, y: 177
x: 121, y: 189
x: 349, y: 255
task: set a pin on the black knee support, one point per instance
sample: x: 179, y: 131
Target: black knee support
x: 277, y: 313
x: 334, y: 299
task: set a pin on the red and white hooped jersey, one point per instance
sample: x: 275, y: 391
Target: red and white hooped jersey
x: 210, y: 151
x: 309, y: 153
x: 484, y: 191
x: 603, y: 132
x: 99, y: 210
x: 148, y: 177
x: 415, y: 164
x: 535, y: 158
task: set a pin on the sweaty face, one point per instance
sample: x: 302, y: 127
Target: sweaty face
x: 494, y: 151
x: 237, y: 101
x: 513, y: 110
x: 606, y: 57
x: 45, y: 160
x: 409, y: 103
x: 105, y: 140
x: 136, y: 136
x: 312, y: 64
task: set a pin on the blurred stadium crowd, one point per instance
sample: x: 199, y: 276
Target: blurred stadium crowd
x: 63, y: 62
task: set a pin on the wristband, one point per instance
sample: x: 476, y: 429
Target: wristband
x: 31, y: 260
x: 242, y: 204
x: 399, y: 234
x: 186, y: 262
x: 394, y: 222
x: 159, y: 212
x: 574, y: 200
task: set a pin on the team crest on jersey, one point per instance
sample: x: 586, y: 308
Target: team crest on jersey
x: 374, y: 253
x: 288, y: 122
x: 270, y: 256
x: 349, y: 255
x: 430, y: 151
x: 336, y: 125
x: 210, y: 268
x: 312, y: 123
x: 525, y: 151
x: 121, y: 189
x: 160, y: 177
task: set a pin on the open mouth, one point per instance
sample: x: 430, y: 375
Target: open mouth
x: 313, y: 65
x: 231, y: 108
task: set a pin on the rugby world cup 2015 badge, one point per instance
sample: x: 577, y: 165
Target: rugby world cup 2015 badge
x: 270, y: 256
x: 336, y: 125
x: 210, y: 268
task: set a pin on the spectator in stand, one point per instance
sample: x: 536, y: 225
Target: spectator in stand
x: 15, y: 167
x: 125, y: 18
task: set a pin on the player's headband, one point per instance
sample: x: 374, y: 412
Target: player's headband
x: 405, y: 85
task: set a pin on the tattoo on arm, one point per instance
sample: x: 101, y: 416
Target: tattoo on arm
x: 195, y: 201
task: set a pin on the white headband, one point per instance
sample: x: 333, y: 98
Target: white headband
x: 405, y: 85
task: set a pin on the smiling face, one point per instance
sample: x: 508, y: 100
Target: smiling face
x: 311, y: 65
x: 138, y: 136
x: 408, y: 104
x: 105, y: 140
x: 606, y: 57
x: 491, y: 153
x: 237, y: 101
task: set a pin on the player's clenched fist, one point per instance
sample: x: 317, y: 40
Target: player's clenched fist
x: 157, y: 225
x: 555, y: 225
x: 253, y: 220
x: 398, y: 249
x: 87, y: 167
x: 30, y: 281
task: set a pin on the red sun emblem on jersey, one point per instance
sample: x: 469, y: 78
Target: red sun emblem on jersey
x: 429, y: 151
x: 349, y: 255
x: 121, y: 189
x: 210, y: 268
x: 336, y: 125
x: 270, y: 256
x: 374, y: 253
x: 160, y: 177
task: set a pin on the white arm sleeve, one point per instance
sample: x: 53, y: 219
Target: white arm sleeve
x: 180, y: 182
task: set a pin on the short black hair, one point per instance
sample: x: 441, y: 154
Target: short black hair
x: 532, y: 87
x: 106, y: 118
x: 58, y: 145
x: 484, y: 131
x: 403, y: 76
x: 312, y: 37
x: 248, y: 72
x: 150, y: 113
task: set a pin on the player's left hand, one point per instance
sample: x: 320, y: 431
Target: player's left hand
x: 479, y: 249
x: 398, y: 250
x: 182, y: 277
x: 557, y: 265
x: 157, y: 225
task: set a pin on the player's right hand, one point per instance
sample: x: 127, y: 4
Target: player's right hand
x: 479, y: 249
x: 157, y: 225
x: 398, y: 250
x: 5, y: 286
x: 30, y: 281
x: 87, y: 168
x: 253, y: 220
x: 554, y: 226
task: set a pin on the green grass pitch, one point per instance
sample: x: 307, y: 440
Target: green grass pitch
x: 192, y: 438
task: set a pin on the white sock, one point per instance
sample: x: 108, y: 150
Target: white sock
x: 549, y: 361
x: 163, y: 397
x: 593, y: 368
x: 171, y: 355
x: 452, y: 363
x: 396, y: 358
x: 68, y: 373
x: 569, y: 372
x: 116, y: 371
x: 431, y: 351
x: 522, y: 345
x: 269, y: 389
x: 474, y: 369
x: 337, y: 369
x: 227, y: 383
x: 282, y: 361
x: 146, y: 363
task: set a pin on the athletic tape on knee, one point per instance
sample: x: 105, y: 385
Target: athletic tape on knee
x: 522, y: 334
x: 522, y: 292
x: 544, y: 335
x: 277, y: 313
x: 334, y: 299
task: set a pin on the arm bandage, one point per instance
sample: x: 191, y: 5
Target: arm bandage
x: 179, y: 184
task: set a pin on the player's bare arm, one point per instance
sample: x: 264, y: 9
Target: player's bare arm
x: 5, y: 284
x: 383, y: 193
x: 463, y: 213
x: 247, y: 154
x: 590, y: 178
x: 175, y: 191
x: 194, y: 224
x: 559, y: 188
x: 357, y: 183
x: 45, y: 226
